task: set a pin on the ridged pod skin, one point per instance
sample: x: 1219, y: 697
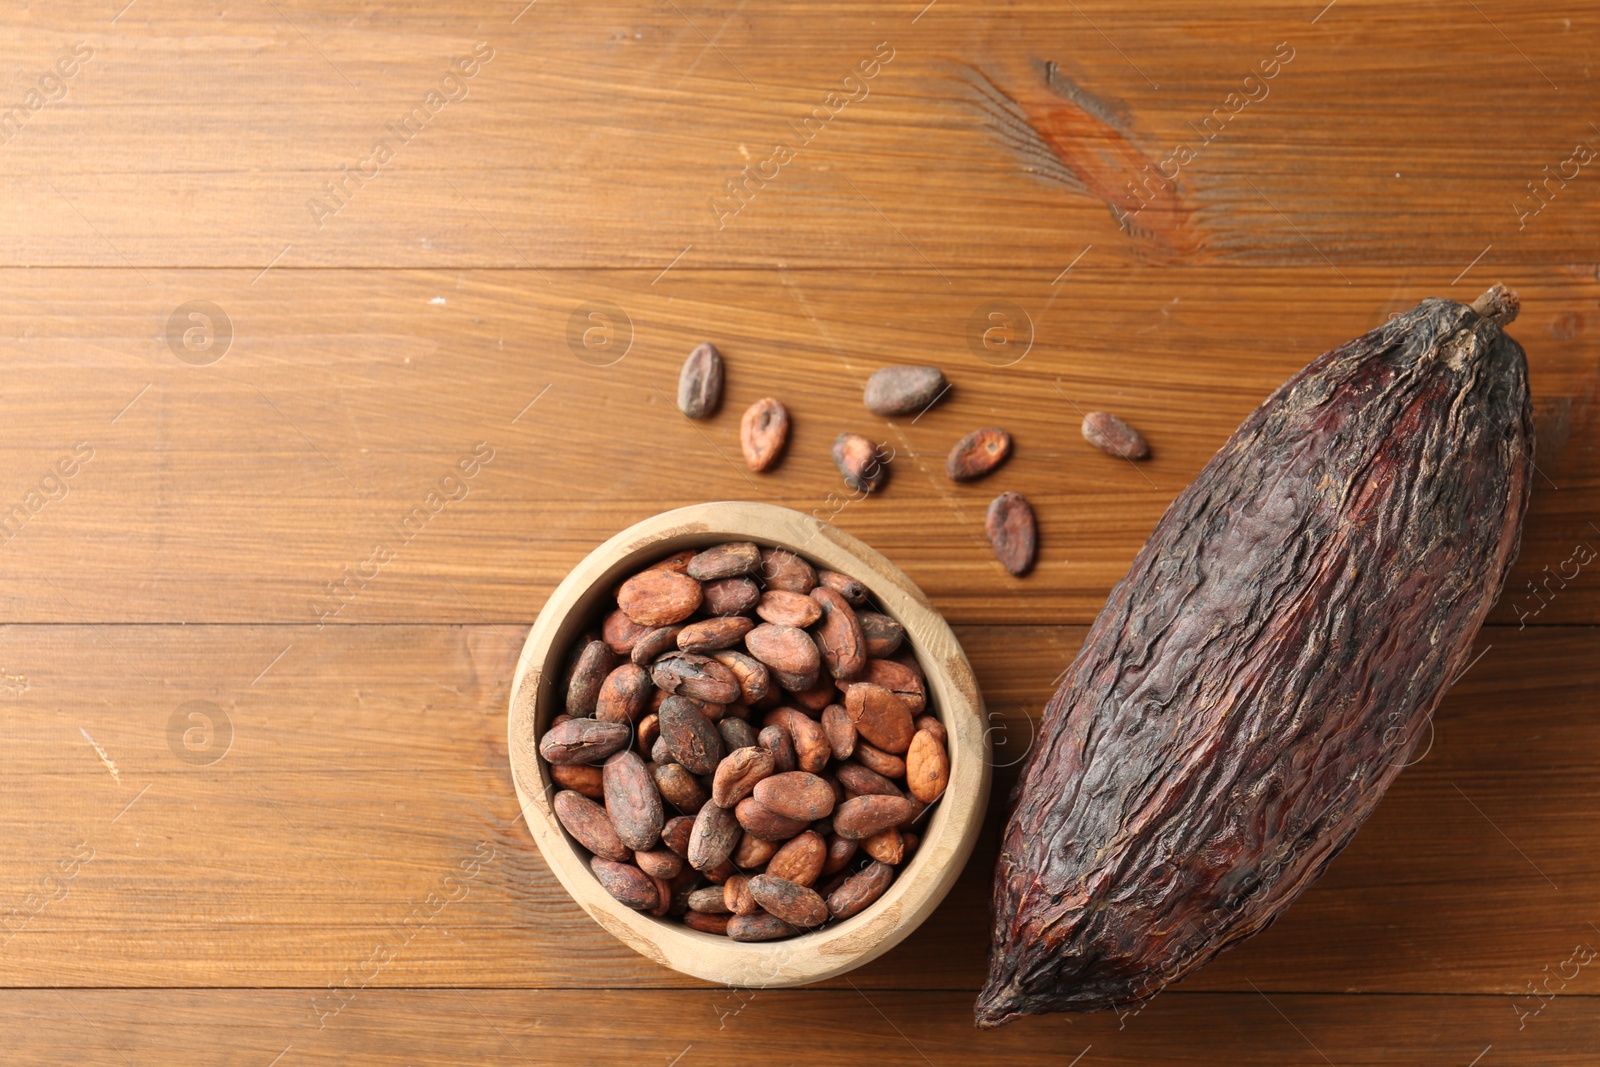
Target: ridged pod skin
x: 1261, y: 674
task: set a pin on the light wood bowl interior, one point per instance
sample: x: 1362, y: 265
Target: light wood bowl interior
x: 948, y: 836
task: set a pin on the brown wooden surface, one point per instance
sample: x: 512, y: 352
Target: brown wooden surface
x: 211, y: 909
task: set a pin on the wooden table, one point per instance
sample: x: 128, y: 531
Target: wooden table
x: 272, y: 269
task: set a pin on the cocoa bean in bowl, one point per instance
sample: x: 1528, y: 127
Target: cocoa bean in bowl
x: 747, y: 745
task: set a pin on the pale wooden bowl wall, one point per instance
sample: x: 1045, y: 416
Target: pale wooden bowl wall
x: 953, y: 692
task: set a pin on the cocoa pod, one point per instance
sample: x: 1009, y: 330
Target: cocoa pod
x: 794, y: 904
x: 881, y: 633
x: 841, y: 850
x: 736, y: 733
x: 860, y: 890
x: 750, y: 673
x: 594, y: 663
x: 787, y: 651
x: 709, y: 900
x: 776, y: 740
x: 758, y: 927
x: 885, y: 846
x: 731, y: 559
x: 811, y: 750
x: 700, y: 382
x: 736, y: 895
x: 675, y: 834
x: 880, y: 716
x: 729, y: 596
x: 1012, y: 532
x: 752, y: 851
x: 782, y: 569
x: 736, y: 776
x: 796, y: 795
x: 659, y: 863
x: 901, y: 680
x: 762, y: 821
x: 710, y: 635
x: 711, y: 842
x: 839, y: 637
x: 800, y: 860
x: 626, y: 883
x: 632, y: 801
x: 589, y: 824
x: 1296, y: 616
x: 679, y: 787
x: 841, y: 732
x: 692, y: 738
x: 978, y: 453
x: 654, y: 643
x: 763, y: 429
x: 866, y: 815
x: 689, y: 674
x: 846, y: 586
x: 861, y: 462
x: 864, y: 781
x: 623, y: 695
x: 658, y: 597
x: 903, y: 390
x: 788, y: 609
x: 583, y: 740
x: 579, y: 777
x: 1113, y: 436
x: 927, y: 767
x: 620, y: 632
x: 876, y: 759
x: 707, y: 923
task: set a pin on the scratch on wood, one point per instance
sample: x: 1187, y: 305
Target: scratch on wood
x: 98, y: 751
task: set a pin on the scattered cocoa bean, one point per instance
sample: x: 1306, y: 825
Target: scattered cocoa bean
x: 763, y: 429
x: 818, y: 696
x: 903, y: 390
x: 736, y: 733
x: 751, y: 674
x: 862, y: 462
x: 700, y: 382
x: 1113, y: 436
x: 978, y: 453
x: 1013, y: 534
x: 933, y: 726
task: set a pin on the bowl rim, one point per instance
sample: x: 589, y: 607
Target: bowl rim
x: 951, y: 832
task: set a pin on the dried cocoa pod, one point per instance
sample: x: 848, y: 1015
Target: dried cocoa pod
x: 711, y: 635
x: 840, y: 731
x: 864, y: 816
x: 881, y: 633
x: 885, y: 846
x: 762, y: 821
x: 700, y: 382
x: 659, y: 863
x: 758, y: 927
x: 711, y: 842
x: 736, y: 733
x: 659, y: 597
x: 794, y: 904
x: 692, y: 738
x: 785, y: 650
x: 594, y: 663
x: 623, y: 695
x: 707, y: 923
x: 620, y: 632
x: 796, y: 795
x: 880, y: 716
x: 689, y: 674
x: 1113, y: 436
x: 729, y: 596
x: 763, y: 429
x: 788, y: 609
x: 841, y: 850
x: 751, y: 674
x: 1012, y: 531
x: 589, y: 824
x: 736, y: 776
x: 800, y: 860
x: 876, y: 759
x: 579, y: 777
x: 838, y: 637
x: 860, y: 891
x: 853, y: 591
x: 818, y: 696
x: 782, y: 569
x: 731, y: 559
x: 752, y: 851
x: 626, y: 883
x: 679, y: 787
x: 632, y: 801
x: 864, y: 781
x: 861, y: 461
x: 927, y: 767
x: 978, y: 453
x: 1354, y: 531
x: 901, y: 680
x: 811, y: 750
x: 903, y: 390
x: 736, y: 895
x: 675, y: 834
x: 708, y: 900
x: 583, y: 740
x: 776, y: 740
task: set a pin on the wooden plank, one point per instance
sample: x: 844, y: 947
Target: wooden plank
x: 602, y: 135
x: 235, y: 491
x: 732, y: 1027
x: 364, y: 801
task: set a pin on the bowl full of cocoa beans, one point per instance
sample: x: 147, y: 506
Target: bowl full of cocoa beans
x: 747, y: 745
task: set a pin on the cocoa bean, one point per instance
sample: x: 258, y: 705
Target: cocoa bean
x: 1013, y: 534
x: 865, y: 815
x: 632, y: 801
x: 880, y: 716
x: 700, y: 382
x: 736, y: 895
x: 777, y: 740
x: 841, y: 850
x: 796, y: 795
x: 721, y: 872
x: 900, y: 679
x: 679, y: 787
x: 800, y: 860
x: 762, y: 821
x: 818, y: 696
x: 933, y: 726
x: 811, y: 750
x: 654, y: 643
x: 626, y: 883
x: 715, y: 833
x: 763, y: 429
x: 660, y: 754
x: 692, y: 738
x: 706, y: 923
x: 839, y: 637
x: 864, y: 781
x: 862, y: 463
x: 675, y: 834
x: 846, y: 586
x: 583, y: 740
x: 860, y: 890
x: 758, y: 927
x: 903, y: 390
x: 1113, y: 436
x: 594, y: 663
x: 885, y: 846
x: 658, y: 597
x: 729, y: 596
x: 736, y: 776
x: 678, y: 562
x: 787, y: 650
x: 927, y: 767
x: 784, y: 608
x: 753, y: 851
x: 731, y: 559
x: 736, y: 733
x: 794, y: 904
x: 710, y: 635
x: 782, y: 569
x: 624, y: 694
x: 978, y: 453
x: 876, y: 759
x: 840, y: 731
x: 620, y: 632
x: 589, y: 824
x: 751, y: 674
x: 709, y: 900
x: 648, y: 730
x: 659, y: 863
x: 579, y: 777
x: 881, y: 633
x: 689, y: 674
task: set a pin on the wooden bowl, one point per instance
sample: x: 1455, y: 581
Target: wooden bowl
x: 953, y: 694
